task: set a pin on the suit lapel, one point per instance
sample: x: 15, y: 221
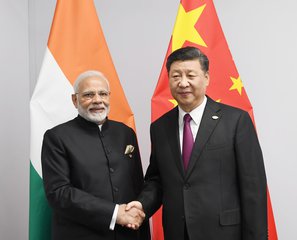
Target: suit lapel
x: 210, y: 119
x: 172, y: 130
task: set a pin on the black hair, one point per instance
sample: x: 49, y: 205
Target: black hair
x: 188, y: 53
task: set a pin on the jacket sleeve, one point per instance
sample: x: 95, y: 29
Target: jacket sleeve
x: 66, y: 200
x: 151, y: 195
x: 137, y: 169
x: 252, y: 181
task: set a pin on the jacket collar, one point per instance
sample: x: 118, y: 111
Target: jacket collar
x: 91, y: 125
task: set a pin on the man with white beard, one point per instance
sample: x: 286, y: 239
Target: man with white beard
x: 91, y: 167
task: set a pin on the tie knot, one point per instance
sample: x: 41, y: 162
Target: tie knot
x: 187, y: 118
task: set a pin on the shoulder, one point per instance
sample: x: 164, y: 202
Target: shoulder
x: 116, y: 124
x: 229, y: 115
x: 168, y: 116
x: 62, y: 128
x: 225, y: 109
x: 119, y: 127
x: 69, y: 124
x: 230, y: 109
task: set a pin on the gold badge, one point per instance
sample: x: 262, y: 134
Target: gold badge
x: 129, y: 150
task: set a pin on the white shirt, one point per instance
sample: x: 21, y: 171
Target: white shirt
x: 196, y: 115
x: 114, y: 217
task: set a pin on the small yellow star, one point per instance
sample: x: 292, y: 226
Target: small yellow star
x: 219, y: 100
x: 237, y: 84
x: 173, y: 101
x: 184, y: 28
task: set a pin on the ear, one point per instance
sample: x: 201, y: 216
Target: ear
x: 207, y: 78
x: 74, y: 100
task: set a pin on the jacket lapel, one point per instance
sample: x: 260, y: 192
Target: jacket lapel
x: 172, y: 130
x: 210, y: 119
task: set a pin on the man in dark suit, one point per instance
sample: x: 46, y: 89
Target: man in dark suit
x: 91, y: 166
x: 219, y: 190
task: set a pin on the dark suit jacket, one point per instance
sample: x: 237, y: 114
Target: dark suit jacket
x: 222, y: 195
x: 85, y: 174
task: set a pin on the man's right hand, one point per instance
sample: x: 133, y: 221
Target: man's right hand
x: 134, y: 205
x: 131, y: 216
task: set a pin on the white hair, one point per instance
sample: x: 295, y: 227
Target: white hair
x: 87, y: 74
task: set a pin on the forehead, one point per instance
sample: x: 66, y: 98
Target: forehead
x: 188, y: 65
x: 93, y: 83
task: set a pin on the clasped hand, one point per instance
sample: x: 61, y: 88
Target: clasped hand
x: 131, y: 215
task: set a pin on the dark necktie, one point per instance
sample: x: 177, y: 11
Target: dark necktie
x: 188, y: 141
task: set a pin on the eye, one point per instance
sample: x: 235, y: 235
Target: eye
x: 103, y: 94
x: 175, y: 76
x: 192, y: 76
x: 88, y: 95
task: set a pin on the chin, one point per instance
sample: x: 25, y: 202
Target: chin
x: 99, y: 117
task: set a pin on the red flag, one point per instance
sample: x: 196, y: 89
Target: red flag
x: 197, y: 25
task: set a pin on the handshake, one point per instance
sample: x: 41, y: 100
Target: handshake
x: 130, y: 215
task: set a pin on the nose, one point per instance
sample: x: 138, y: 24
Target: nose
x: 183, y: 82
x: 96, y: 98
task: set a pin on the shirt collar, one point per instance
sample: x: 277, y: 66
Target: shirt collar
x: 196, y: 113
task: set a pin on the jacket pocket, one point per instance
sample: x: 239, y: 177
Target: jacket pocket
x: 230, y: 217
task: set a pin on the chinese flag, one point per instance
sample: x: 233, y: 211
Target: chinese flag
x: 76, y: 44
x: 197, y: 25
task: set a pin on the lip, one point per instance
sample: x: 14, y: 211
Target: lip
x: 184, y: 94
x: 97, y: 109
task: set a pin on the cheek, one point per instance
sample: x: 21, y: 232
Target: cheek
x: 173, y: 86
x: 84, y: 104
x: 106, y: 102
x: 173, y: 92
x: 202, y: 84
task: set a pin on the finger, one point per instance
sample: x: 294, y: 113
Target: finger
x: 129, y: 225
x: 135, y: 226
x: 139, y: 214
x: 130, y: 205
x: 142, y: 214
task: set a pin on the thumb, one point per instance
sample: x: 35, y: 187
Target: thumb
x: 132, y: 204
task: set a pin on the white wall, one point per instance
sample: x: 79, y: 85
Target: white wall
x: 261, y: 37
x: 14, y: 127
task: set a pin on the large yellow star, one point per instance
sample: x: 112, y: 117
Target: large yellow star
x: 184, y: 28
x: 237, y: 84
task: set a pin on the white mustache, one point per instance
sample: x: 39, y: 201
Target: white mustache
x: 98, y: 106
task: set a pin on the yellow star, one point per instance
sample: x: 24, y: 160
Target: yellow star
x: 173, y: 101
x: 219, y: 100
x: 237, y: 84
x: 184, y: 28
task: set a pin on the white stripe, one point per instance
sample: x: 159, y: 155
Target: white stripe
x: 50, y: 105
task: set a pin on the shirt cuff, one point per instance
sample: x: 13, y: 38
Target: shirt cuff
x: 114, y: 217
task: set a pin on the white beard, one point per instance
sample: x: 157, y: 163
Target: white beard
x: 97, y: 118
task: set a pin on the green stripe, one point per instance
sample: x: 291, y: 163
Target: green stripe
x: 40, y: 212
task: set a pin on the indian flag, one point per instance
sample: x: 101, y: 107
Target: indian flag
x: 76, y: 44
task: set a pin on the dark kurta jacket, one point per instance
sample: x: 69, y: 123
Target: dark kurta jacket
x: 85, y: 173
x: 222, y: 195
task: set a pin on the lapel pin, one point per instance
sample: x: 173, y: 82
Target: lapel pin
x: 215, y: 117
